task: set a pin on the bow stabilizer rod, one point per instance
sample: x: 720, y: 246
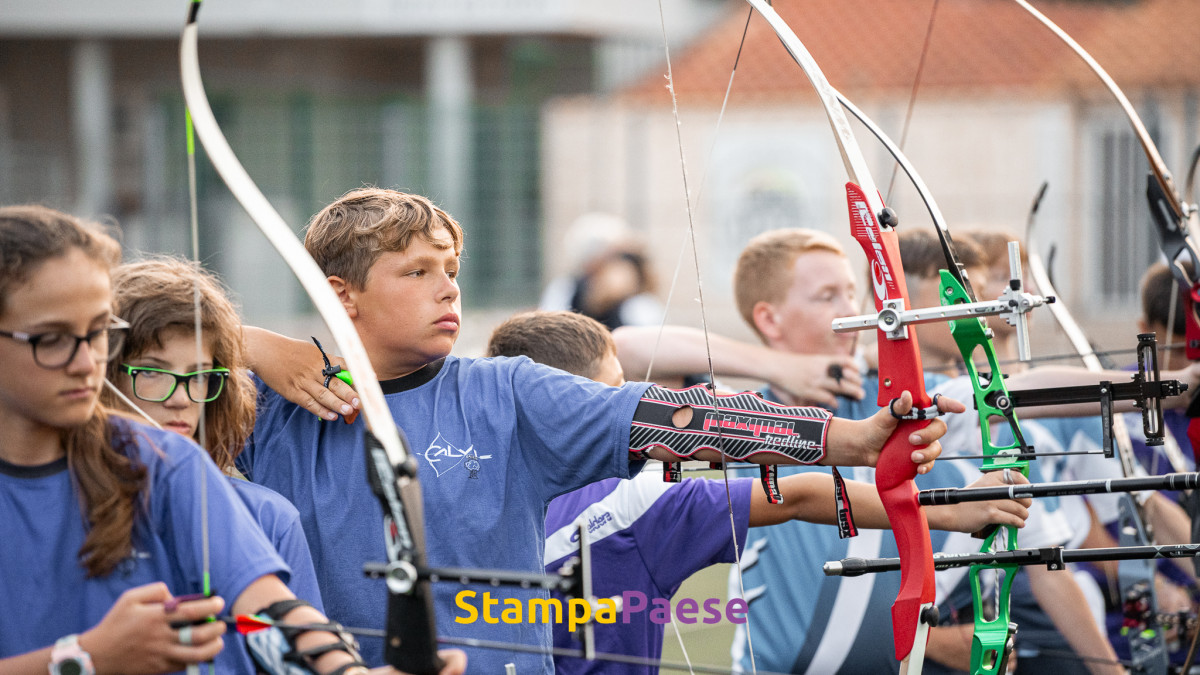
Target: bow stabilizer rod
x: 1171, y: 481
x: 1053, y: 557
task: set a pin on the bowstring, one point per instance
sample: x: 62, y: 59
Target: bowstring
x: 695, y: 203
x: 1167, y: 346
x: 194, y: 217
x: 912, y: 99
x: 690, y: 237
x: 112, y: 389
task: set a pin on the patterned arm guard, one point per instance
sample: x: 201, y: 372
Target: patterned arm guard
x: 274, y: 649
x: 742, y: 426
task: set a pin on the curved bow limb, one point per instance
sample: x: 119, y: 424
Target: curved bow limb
x: 411, y: 605
x: 1175, y: 219
x: 900, y: 367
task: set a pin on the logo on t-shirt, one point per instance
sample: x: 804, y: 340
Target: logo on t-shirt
x: 129, y: 564
x: 594, y: 523
x: 443, y: 455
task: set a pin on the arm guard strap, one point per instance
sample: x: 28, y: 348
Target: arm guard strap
x: 742, y: 426
x: 275, y: 652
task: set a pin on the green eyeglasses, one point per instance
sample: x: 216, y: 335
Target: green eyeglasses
x: 157, y: 385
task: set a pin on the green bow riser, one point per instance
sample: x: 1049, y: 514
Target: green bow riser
x: 989, y: 643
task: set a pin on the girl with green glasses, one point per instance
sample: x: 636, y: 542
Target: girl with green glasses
x: 170, y: 378
x: 162, y: 369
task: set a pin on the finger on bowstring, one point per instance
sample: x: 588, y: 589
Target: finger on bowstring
x: 203, y: 632
x: 321, y: 401
x: 191, y: 611
x: 345, y: 393
x: 850, y: 372
x: 349, y: 404
x: 197, y: 652
x: 327, y: 404
x: 845, y: 385
x: 852, y: 391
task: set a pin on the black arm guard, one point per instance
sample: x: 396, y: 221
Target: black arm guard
x: 274, y: 650
x: 742, y: 426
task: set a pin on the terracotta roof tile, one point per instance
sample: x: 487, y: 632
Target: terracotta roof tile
x: 976, y: 45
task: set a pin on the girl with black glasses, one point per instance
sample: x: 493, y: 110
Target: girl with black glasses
x: 102, y: 548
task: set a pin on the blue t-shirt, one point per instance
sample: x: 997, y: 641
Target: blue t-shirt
x: 45, y: 592
x: 494, y: 439
x: 647, y: 537
x: 280, y: 521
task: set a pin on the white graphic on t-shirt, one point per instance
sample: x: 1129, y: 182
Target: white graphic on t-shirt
x: 129, y: 564
x: 442, y: 455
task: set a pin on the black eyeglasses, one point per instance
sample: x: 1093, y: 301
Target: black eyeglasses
x: 56, y: 349
x: 157, y: 385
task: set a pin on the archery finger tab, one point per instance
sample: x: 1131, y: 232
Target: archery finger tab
x: 190, y: 608
x: 171, y: 605
x: 834, y: 371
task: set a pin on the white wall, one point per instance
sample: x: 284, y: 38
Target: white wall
x: 982, y: 157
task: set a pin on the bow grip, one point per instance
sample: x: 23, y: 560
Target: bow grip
x: 894, y: 475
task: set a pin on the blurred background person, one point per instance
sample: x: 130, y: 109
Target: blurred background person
x: 612, y: 282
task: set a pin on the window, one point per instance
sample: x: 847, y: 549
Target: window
x: 1121, y: 236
